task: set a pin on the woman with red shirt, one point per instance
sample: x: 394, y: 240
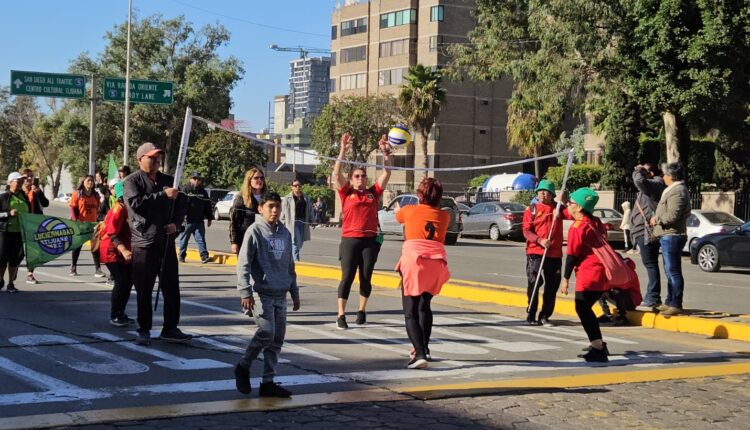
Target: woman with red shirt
x: 359, y: 247
x: 423, y: 265
x: 84, y: 206
x: 591, y: 280
x: 114, y: 247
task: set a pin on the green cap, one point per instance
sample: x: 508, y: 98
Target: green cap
x: 546, y: 185
x: 586, y: 198
x: 118, y: 189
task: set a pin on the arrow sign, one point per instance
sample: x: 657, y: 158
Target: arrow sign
x: 47, y: 84
x: 18, y: 83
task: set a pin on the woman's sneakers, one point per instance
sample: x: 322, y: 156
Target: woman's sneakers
x: 596, y: 355
x: 361, y: 318
x: 242, y: 379
x: 341, y: 323
x: 417, y: 363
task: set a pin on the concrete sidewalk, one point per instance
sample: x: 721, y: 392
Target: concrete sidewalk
x: 714, y: 324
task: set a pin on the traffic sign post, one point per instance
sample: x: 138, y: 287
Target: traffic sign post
x: 47, y: 84
x: 141, y: 91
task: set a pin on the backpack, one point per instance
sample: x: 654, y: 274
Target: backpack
x: 615, y: 268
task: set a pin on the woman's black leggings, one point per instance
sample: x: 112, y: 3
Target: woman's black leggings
x: 77, y: 253
x: 357, y: 253
x: 123, y: 275
x: 418, y: 317
x: 584, y: 302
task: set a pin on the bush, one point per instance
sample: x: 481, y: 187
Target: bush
x: 311, y: 191
x: 581, y: 175
x: 523, y: 197
x: 477, y: 181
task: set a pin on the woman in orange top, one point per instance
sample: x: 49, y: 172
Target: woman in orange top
x: 84, y: 205
x: 423, y: 265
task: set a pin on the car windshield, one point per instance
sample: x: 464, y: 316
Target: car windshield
x: 721, y: 218
x: 228, y: 197
x: 512, y: 207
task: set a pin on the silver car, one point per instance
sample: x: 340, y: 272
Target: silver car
x: 701, y: 223
x: 389, y: 225
x: 495, y: 220
x: 221, y: 210
x: 611, y: 220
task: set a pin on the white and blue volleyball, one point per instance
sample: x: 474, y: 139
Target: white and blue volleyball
x: 399, y: 135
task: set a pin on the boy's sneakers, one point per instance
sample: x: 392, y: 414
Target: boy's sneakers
x: 205, y: 259
x: 30, y: 279
x: 417, y: 363
x: 361, y: 317
x: 341, y: 323
x: 175, y: 335
x: 121, y: 321
x: 99, y: 273
x: 242, y: 379
x: 144, y: 338
x: 12, y: 288
x: 272, y: 389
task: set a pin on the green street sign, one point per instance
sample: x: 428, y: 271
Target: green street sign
x: 145, y: 92
x: 47, y: 84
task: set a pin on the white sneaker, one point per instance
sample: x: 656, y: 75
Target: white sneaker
x: 417, y: 363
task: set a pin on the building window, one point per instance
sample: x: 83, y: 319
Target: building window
x: 484, y: 102
x: 483, y: 131
x: 396, y: 47
x: 436, y: 13
x: 352, y: 82
x: 334, y: 32
x: 358, y: 53
x: 435, y: 42
x: 391, y: 77
x: 402, y: 17
x: 434, y: 133
x: 353, y: 26
x: 333, y: 85
x: 333, y: 58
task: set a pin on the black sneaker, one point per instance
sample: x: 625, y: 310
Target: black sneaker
x: 596, y: 356
x: 121, y: 321
x: 182, y: 259
x: 604, y: 318
x: 12, y: 288
x: 242, y: 379
x: 361, y: 318
x: 417, y: 363
x: 533, y: 322
x: 589, y: 348
x: 546, y: 322
x: 144, y: 338
x: 205, y: 259
x: 175, y: 335
x: 341, y: 323
x: 99, y: 273
x: 272, y: 389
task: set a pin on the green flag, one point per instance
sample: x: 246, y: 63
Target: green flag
x: 111, y: 169
x: 46, y: 237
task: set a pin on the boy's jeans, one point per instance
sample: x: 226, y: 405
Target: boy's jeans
x: 270, y: 317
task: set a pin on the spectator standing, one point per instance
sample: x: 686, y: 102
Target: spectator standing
x: 123, y: 171
x: 245, y: 206
x: 38, y: 202
x: 84, y: 206
x: 670, y: 226
x: 319, y: 210
x: 198, y: 209
x: 625, y: 227
x: 13, y: 202
x: 650, y: 187
x: 296, y: 214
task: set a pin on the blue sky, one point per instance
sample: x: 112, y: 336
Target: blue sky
x: 44, y: 35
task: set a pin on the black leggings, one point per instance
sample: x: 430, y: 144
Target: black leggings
x: 584, y: 302
x: 123, y: 276
x: 418, y: 317
x: 357, y: 253
x: 77, y: 253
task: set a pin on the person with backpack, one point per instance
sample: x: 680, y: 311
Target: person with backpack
x: 586, y: 233
x: 538, y: 219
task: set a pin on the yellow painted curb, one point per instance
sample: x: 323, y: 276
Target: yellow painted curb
x: 255, y: 404
x: 577, y: 381
x: 513, y: 296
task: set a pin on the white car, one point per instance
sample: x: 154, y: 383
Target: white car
x: 701, y: 223
x: 221, y: 210
x: 63, y: 197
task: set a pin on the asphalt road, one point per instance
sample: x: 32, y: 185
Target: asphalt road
x: 504, y: 262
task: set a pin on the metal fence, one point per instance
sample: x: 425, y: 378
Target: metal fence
x: 742, y: 206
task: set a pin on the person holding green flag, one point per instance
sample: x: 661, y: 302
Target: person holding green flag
x: 13, y: 202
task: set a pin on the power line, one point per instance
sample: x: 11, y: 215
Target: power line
x: 250, y: 22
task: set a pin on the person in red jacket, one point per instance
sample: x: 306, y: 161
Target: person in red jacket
x: 591, y: 279
x: 115, y: 252
x: 538, y: 219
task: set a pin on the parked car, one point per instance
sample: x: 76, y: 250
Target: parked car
x: 221, y: 209
x: 701, y: 223
x: 216, y: 195
x: 611, y: 220
x: 713, y: 251
x: 63, y: 197
x: 463, y: 208
x: 389, y: 225
x: 495, y: 220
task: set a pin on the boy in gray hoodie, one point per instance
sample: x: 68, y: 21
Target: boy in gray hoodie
x: 265, y: 267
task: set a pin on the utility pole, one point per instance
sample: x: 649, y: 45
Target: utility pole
x: 127, y: 90
x: 92, y: 127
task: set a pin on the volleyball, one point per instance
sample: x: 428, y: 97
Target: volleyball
x: 399, y: 135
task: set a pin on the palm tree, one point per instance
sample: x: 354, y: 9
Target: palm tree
x: 420, y: 101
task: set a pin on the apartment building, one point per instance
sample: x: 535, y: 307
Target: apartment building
x: 309, y: 89
x: 373, y: 45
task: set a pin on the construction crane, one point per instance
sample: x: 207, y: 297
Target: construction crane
x: 303, y: 51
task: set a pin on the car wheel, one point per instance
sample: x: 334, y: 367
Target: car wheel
x: 495, y: 232
x: 451, y: 238
x: 708, y: 258
x: 216, y: 214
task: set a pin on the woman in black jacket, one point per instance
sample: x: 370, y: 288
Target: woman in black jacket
x: 13, y: 202
x: 245, y: 206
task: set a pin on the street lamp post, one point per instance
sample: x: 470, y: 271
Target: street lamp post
x: 127, y: 89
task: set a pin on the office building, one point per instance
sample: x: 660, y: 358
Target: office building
x: 309, y: 88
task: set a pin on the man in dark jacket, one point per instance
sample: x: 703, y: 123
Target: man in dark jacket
x: 198, y: 209
x: 650, y: 186
x: 155, y: 212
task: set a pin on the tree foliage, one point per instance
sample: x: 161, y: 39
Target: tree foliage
x: 621, y: 144
x: 223, y: 158
x: 581, y: 175
x: 477, y: 181
x: 10, y: 140
x: 365, y: 118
